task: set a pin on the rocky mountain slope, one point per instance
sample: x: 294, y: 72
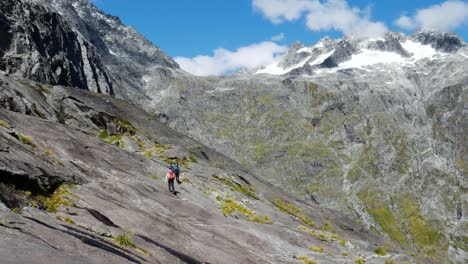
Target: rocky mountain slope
x: 383, y: 142
x: 81, y: 182
x: 72, y: 43
x: 373, y: 127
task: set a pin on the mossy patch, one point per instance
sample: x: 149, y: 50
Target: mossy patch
x: 381, y: 251
x: 155, y: 177
x: 111, y: 139
x: 69, y: 220
x: 229, y: 206
x: 359, y: 260
x: 327, y: 227
x: 48, y: 152
x: 260, y: 219
x: 4, y: 124
x: 185, y: 180
x: 288, y: 208
x: 306, y: 260
x: 317, y: 249
x: 234, y: 186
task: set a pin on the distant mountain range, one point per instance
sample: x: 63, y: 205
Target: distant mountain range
x: 350, y: 52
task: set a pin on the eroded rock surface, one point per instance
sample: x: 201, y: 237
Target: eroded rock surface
x: 74, y: 189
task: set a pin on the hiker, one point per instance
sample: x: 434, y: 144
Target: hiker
x: 170, y: 176
x: 176, y: 169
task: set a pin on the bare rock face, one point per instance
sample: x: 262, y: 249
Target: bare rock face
x: 68, y: 194
x: 74, y: 44
x: 41, y: 46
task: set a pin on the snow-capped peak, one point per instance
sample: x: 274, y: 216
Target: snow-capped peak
x: 349, y: 52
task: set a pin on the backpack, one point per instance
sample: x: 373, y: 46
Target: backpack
x: 171, y: 175
x: 176, y: 168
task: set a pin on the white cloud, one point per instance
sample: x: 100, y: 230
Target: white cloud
x: 444, y: 17
x: 278, y: 37
x: 280, y: 10
x: 327, y: 15
x: 405, y: 22
x: 223, y: 60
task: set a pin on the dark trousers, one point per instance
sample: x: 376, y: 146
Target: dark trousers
x: 177, y: 176
x: 171, y: 185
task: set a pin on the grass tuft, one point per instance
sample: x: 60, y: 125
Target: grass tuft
x: 49, y: 152
x: 124, y: 240
x: 69, y: 221
x: 260, y: 219
x: 359, y: 260
x: 186, y: 180
x: 306, y: 260
x: 381, y: 251
x: 61, y: 196
x: 250, y: 191
x: 317, y: 249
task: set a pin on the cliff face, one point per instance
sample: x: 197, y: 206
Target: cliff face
x: 74, y: 44
x: 81, y: 182
x: 41, y: 46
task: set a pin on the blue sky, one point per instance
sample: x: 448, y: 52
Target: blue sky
x: 191, y: 29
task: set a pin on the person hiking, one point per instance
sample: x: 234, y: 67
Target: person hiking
x: 170, y: 176
x: 176, y: 169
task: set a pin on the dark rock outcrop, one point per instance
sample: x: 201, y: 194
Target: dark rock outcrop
x: 40, y: 45
x: 446, y: 42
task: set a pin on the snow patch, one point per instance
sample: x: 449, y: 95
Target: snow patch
x: 275, y: 69
x: 305, y: 49
x: 370, y: 57
x: 321, y: 58
x: 418, y: 50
